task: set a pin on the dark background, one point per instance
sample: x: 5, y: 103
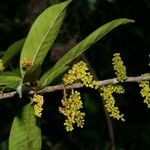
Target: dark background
x: 83, y: 17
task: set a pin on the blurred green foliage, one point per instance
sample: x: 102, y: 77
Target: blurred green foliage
x: 132, y: 41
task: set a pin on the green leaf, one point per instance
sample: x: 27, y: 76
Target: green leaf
x: 12, y: 51
x: 80, y: 48
x: 43, y: 33
x: 9, y: 81
x: 15, y: 72
x: 25, y: 134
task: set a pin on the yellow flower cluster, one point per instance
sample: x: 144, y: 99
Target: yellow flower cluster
x: 71, y: 110
x: 1, y: 66
x: 145, y: 92
x: 80, y: 73
x: 38, y: 100
x: 107, y: 95
x: 26, y: 63
x: 120, y: 69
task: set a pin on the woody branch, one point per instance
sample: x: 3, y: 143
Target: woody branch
x: 76, y: 85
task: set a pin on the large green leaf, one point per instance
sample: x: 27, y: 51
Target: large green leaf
x: 12, y: 51
x: 9, y: 81
x: 80, y: 48
x: 43, y: 33
x: 25, y: 134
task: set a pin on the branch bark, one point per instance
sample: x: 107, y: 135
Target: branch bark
x: 101, y: 83
x: 75, y: 86
x: 7, y: 95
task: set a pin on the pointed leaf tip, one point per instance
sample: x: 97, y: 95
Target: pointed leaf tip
x: 43, y: 34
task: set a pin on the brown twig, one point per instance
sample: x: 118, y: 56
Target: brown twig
x: 76, y: 85
x: 102, y: 83
x: 7, y: 95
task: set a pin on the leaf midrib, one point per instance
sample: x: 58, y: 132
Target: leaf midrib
x: 46, y: 36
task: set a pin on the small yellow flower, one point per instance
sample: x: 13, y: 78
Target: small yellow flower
x: 145, y: 92
x: 1, y: 66
x: 120, y: 69
x: 38, y: 100
x: 71, y: 110
x: 107, y: 95
x: 80, y: 73
x: 26, y: 63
